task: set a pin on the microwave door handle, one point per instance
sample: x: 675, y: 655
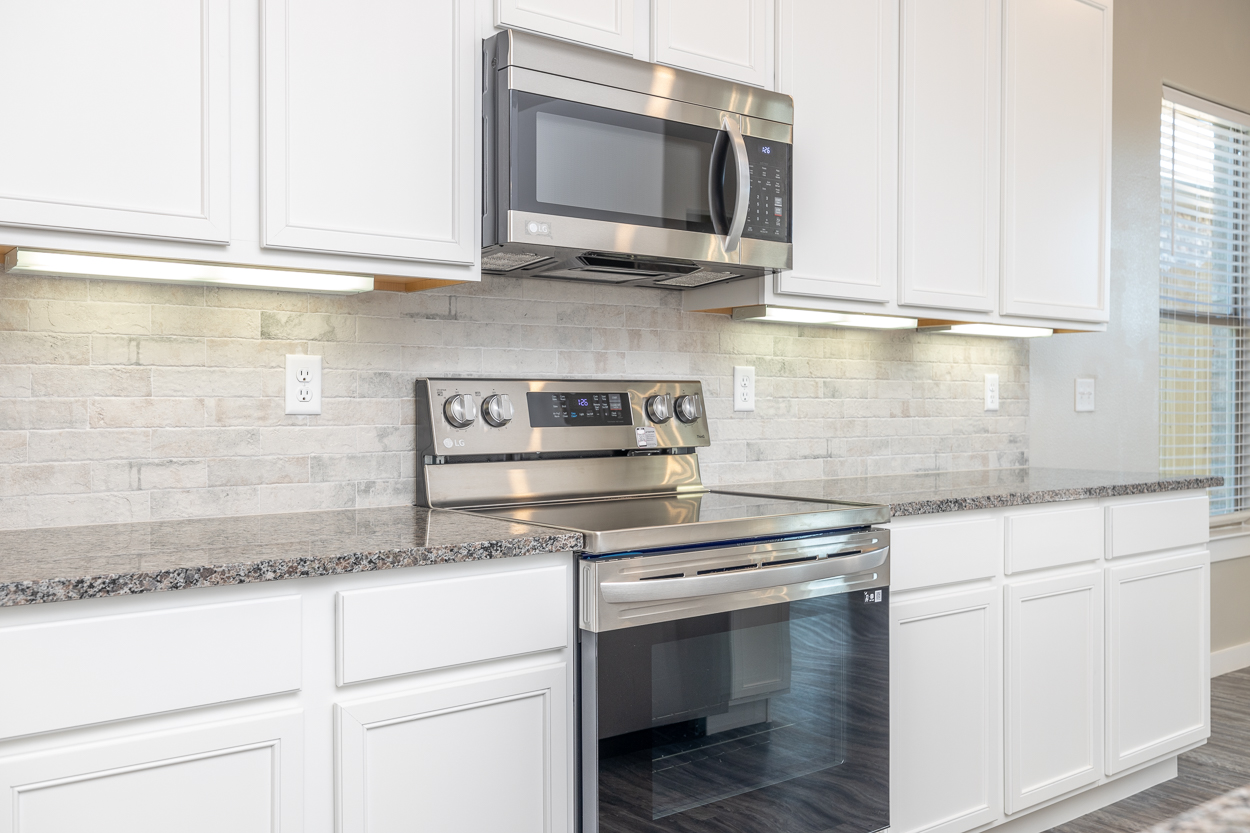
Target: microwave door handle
x: 743, y: 197
x: 760, y: 578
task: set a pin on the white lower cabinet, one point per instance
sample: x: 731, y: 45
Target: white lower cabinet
x: 427, y: 755
x: 946, y: 712
x: 243, y: 776
x: 1158, y: 658
x: 1053, y: 687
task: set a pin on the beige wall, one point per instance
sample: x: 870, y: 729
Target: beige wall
x: 123, y: 401
x: 1201, y: 47
x: 1230, y: 603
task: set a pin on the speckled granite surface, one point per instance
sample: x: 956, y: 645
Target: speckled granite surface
x: 1230, y: 813
x: 82, y: 562
x: 953, y: 491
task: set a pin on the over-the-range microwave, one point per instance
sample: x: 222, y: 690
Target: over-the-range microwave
x: 600, y: 167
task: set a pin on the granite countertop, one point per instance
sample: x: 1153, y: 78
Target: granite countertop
x: 954, y: 491
x: 82, y: 562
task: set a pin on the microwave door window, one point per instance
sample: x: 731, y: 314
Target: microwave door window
x: 577, y: 160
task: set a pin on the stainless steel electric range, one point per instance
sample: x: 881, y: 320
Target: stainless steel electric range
x: 734, y: 647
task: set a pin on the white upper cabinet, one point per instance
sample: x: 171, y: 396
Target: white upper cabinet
x: 369, y: 128
x: 120, y: 117
x: 730, y: 38
x: 949, y: 142
x: 608, y: 24
x: 839, y: 61
x: 1056, y: 158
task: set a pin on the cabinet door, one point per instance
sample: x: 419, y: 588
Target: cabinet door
x: 1056, y: 158
x: 948, y: 252
x: 730, y: 38
x: 1158, y: 658
x: 244, y: 776
x: 368, y: 123
x: 840, y: 63
x: 407, y: 757
x: 119, y: 117
x: 1053, y: 687
x: 945, y: 712
x: 608, y: 24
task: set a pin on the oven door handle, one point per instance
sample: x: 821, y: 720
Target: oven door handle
x: 759, y: 578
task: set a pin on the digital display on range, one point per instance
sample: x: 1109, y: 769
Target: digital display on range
x: 557, y: 410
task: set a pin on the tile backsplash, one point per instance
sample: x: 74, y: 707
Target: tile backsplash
x: 131, y: 401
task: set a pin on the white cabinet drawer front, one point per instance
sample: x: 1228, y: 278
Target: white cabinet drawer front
x: 242, y: 776
x: 103, y: 668
x: 1158, y: 525
x: 933, y: 554
x: 385, y: 631
x: 1051, y: 539
x: 122, y: 117
x: 1158, y: 655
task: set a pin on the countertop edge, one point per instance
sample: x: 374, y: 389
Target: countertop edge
x: 40, y: 591
x: 939, y: 506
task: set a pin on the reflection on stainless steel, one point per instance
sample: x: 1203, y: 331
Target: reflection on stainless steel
x: 520, y: 49
x: 600, y: 235
x: 626, y: 592
x: 570, y: 89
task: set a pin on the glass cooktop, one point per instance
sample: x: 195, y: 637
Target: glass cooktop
x: 623, y: 524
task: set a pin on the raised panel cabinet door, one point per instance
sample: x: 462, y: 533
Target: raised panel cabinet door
x: 730, y: 38
x: 607, y: 24
x: 946, y: 712
x: 949, y: 153
x: 840, y: 63
x: 492, y: 753
x: 120, y: 117
x: 369, y: 139
x: 242, y: 776
x: 1053, y: 687
x: 1056, y: 158
x: 1158, y: 658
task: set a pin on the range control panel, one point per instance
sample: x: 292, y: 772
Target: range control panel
x: 517, y: 417
x: 768, y: 216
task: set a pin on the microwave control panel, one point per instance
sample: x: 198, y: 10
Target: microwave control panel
x: 768, y: 214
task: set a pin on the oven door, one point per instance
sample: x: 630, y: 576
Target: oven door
x: 585, y: 167
x: 770, y: 716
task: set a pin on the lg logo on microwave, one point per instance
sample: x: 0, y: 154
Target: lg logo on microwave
x: 535, y: 227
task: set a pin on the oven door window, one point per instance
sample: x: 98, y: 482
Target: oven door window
x: 774, y: 718
x: 577, y: 160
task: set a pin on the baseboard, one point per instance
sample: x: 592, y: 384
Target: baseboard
x: 1078, y: 805
x: 1230, y: 659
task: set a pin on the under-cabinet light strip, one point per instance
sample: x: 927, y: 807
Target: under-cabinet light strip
x: 69, y: 264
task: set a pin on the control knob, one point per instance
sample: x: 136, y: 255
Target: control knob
x: 497, y: 410
x: 660, y: 408
x: 687, y: 408
x: 460, y: 410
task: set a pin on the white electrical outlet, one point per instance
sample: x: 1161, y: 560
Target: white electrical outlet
x: 303, y: 384
x: 1084, y: 395
x: 744, y: 389
x: 991, y: 391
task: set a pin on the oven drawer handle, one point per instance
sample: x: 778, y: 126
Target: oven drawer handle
x: 660, y: 589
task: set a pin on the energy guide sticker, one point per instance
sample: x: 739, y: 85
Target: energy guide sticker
x: 646, y: 438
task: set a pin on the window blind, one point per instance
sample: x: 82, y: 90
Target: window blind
x: 1203, y: 320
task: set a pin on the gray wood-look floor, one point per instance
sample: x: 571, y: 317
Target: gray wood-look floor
x: 1221, y: 765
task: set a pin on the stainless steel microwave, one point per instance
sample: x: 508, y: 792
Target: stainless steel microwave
x: 600, y: 167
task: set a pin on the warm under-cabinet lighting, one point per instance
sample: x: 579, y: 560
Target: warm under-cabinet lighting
x: 68, y: 264
x: 787, y: 315
x: 999, y: 330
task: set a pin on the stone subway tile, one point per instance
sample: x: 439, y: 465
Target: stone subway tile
x: 205, y: 503
x: 120, y: 412
x: 205, y: 442
x: 146, y: 475
x: 55, y: 381
x: 15, y: 382
x: 45, y: 479
x: 205, y: 322
x: 76, y: 510
x: 257, y: 471
x: 44, y: 348
x: 42, y: 414
x: 251, y: 353
x: 287, y: 326
x: 90, y: 317
x: 151, y: 351
x: 14, y: 314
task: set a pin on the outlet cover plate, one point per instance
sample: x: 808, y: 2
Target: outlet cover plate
x: 991, y: 391
x: 744, y: 388
x: 303, y: 384
x: 1084, y: 395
